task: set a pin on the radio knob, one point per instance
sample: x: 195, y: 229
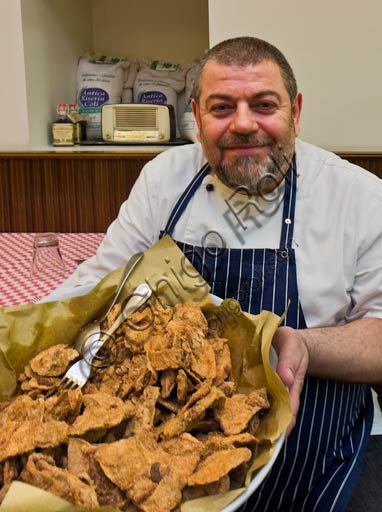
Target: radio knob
x: 161, y: 135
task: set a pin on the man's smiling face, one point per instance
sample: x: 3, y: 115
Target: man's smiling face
x: 246, y: 122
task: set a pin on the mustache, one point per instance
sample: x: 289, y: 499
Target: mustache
x: 247, y: 139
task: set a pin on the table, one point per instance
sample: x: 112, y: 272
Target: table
x: 17, y: 286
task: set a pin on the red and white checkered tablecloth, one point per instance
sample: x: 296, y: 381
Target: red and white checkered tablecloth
x: 17, y: 286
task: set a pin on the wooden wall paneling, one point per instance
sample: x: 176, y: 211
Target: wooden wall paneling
x: 73, y: 193
x: 5, y: 187
x: 81, y: 175
x: 20, y: 191
x: 101, y: 199
x: 67, y: 193
x: 370, y: 161
x: 50, y: 212
x: 110, y: 182
x: 114, y: 180
x: 37, y: 194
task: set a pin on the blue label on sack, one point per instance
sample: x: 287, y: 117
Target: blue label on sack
x: 92, y: 97
x: 153, y: 97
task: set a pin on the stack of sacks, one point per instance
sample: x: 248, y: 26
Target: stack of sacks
x: 102, y: 79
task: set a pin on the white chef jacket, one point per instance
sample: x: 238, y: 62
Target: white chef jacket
x: 337, y: 233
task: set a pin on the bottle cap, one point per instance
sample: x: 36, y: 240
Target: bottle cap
x: 61, y: 107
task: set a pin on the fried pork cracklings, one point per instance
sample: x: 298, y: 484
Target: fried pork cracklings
x: 158, y: 423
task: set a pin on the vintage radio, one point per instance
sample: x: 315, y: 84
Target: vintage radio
x: 138, y: 123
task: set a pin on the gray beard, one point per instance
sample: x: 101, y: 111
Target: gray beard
x: 250, y: 176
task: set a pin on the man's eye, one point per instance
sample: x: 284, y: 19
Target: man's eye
x: 220, y: 108
x: 265, y: 106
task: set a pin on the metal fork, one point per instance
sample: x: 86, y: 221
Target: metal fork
x: 92, y: 330
x: 78, y: 374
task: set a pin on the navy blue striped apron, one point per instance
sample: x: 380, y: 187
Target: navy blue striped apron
x: 319, y: 463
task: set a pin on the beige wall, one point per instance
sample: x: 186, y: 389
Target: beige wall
x: 13, y: 106
x: 335, y: 48
x: 56, y: 32
x: 168, y: 29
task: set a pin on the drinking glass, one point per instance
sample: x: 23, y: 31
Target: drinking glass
x: 47, y: 258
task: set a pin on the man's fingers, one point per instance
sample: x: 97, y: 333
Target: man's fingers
x: 292, y: 365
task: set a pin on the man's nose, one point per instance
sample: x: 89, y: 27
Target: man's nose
x: 244, y: 119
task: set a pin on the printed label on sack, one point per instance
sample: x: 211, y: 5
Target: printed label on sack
x: 156, y: 97
x: 163, y: 66
x: 105, y: 59
x: 90, y: 99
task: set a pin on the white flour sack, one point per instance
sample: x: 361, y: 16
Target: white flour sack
x: 99, y: 81
x: 159, y: 82
x: 128, y: 83
x: 186, y: 120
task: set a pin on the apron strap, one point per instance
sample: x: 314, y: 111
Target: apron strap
x: 184, y: 199
x: 288, y: 208
x: 287, y: 227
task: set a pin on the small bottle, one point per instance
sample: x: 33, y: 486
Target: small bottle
x: 79, y: 124
x: 72, y: 115
x: 63, y: 128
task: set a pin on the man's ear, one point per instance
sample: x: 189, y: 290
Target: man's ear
x: 196, y: 112
x: 296, y: 112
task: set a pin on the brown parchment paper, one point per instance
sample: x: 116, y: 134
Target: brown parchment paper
x: 26, y: 330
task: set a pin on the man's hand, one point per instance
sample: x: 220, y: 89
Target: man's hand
x: 349, y: 353
x: 293, y: 359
